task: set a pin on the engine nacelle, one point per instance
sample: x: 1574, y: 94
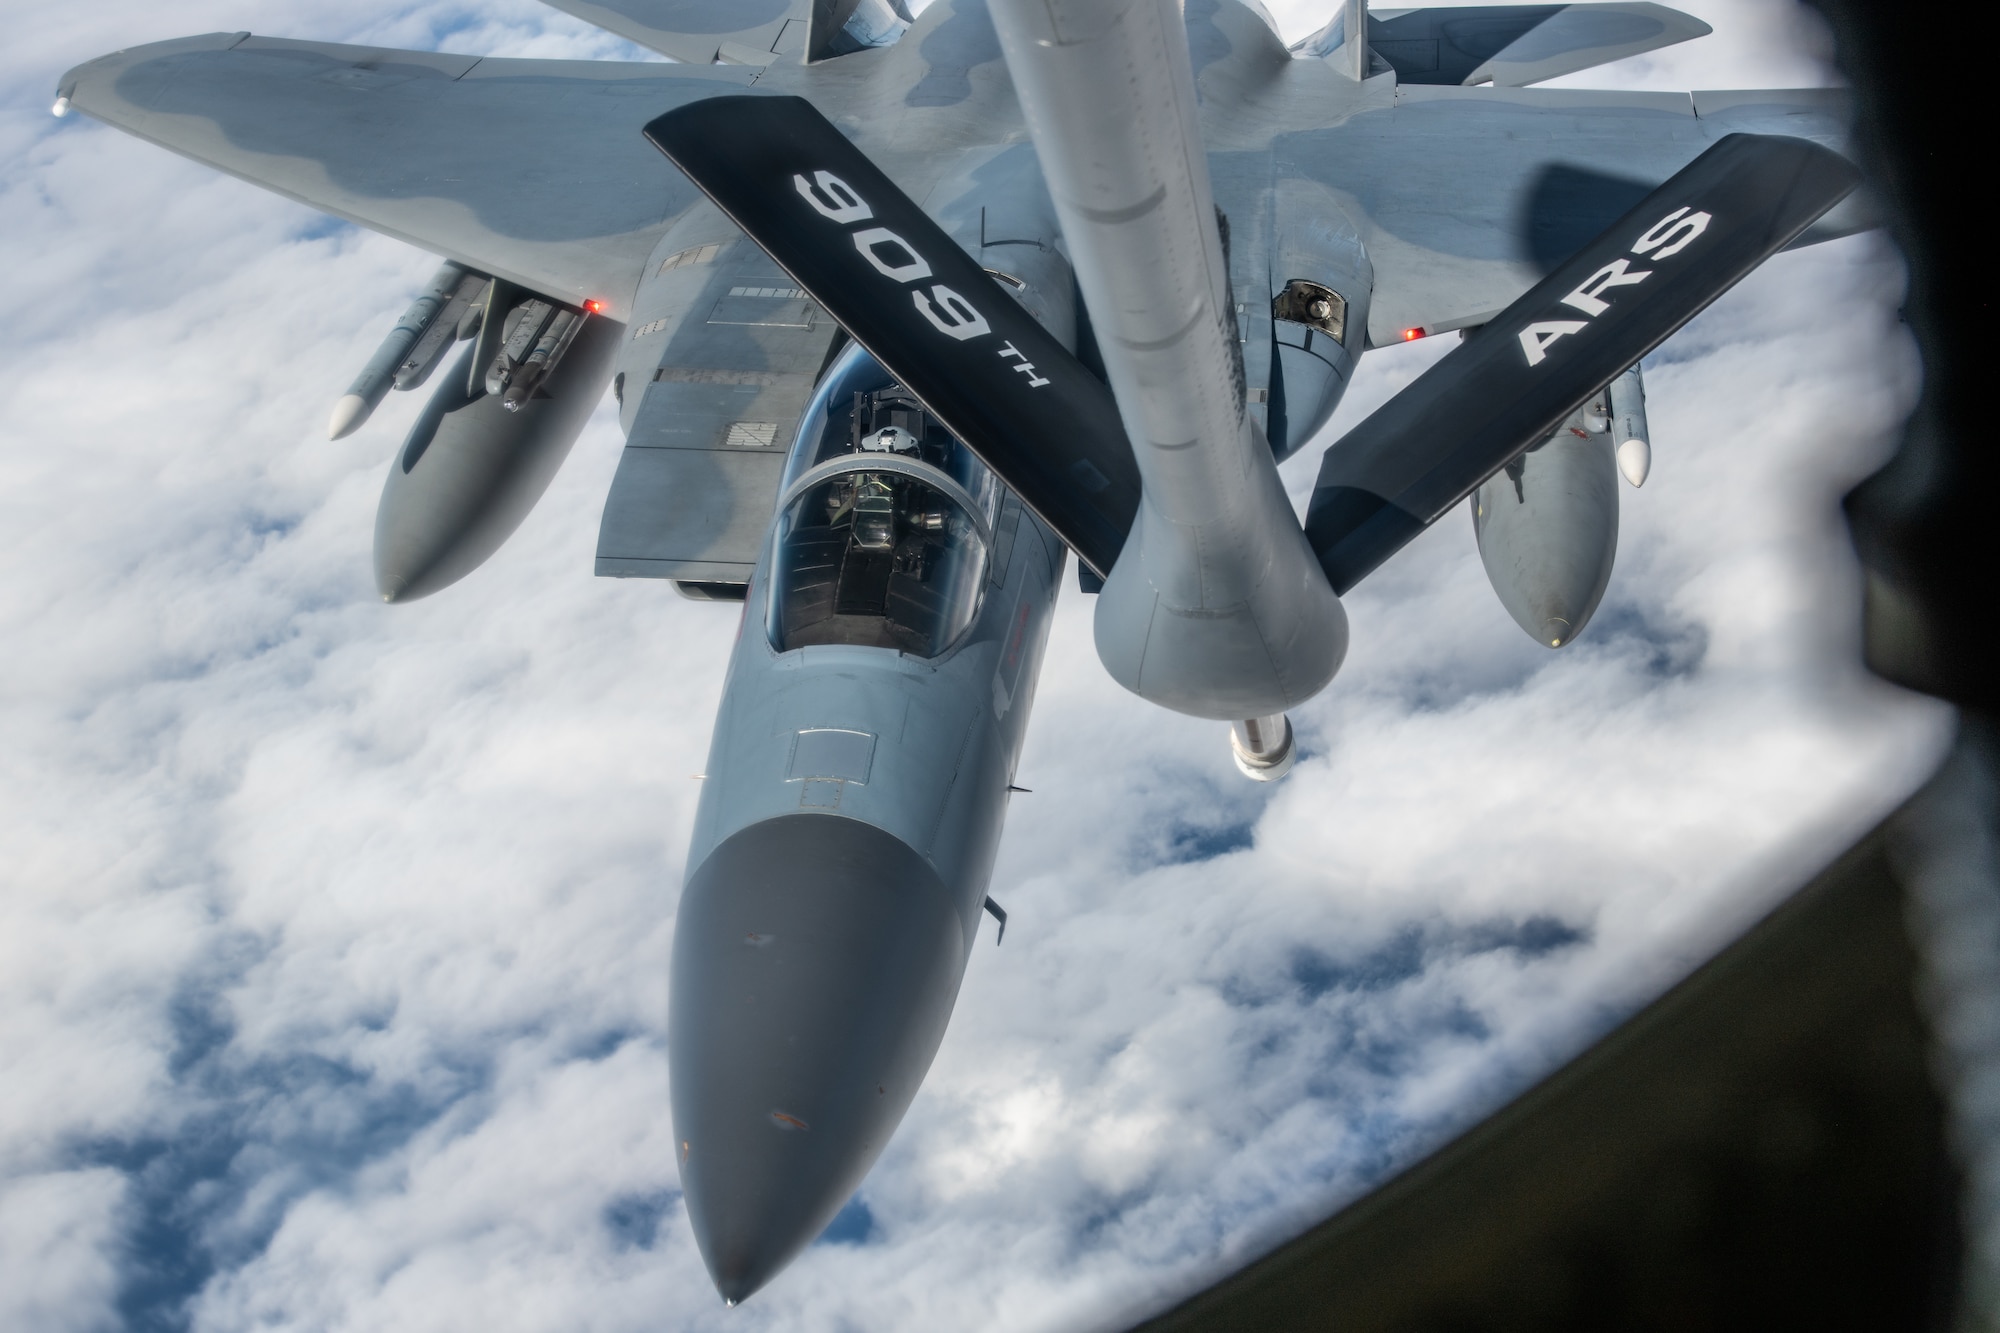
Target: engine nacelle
x: 474, y: 466
x: 1547, y: 525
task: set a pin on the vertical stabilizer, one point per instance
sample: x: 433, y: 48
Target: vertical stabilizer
x: 1343, y: 42
x: 1353, y: 57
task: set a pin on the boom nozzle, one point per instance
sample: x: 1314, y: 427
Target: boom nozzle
x: 1263, y: 747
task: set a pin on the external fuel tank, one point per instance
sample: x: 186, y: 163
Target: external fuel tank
x: 473, y: 467
x: 1547, y: 525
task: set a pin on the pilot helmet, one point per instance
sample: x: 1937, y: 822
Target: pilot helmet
x: 890, y: 440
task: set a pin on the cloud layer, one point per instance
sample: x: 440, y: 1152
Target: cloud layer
x: 333, y: 935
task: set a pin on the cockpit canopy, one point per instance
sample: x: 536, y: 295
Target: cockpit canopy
x: 885, y: 522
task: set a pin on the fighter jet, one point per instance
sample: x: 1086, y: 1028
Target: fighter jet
x: 900, y: 311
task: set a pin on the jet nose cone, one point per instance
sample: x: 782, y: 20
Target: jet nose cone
x: 816, y: 959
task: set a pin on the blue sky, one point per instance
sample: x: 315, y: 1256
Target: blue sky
x: 333, y: 935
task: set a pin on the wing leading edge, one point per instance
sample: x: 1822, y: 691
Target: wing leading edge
x: 530, y: 170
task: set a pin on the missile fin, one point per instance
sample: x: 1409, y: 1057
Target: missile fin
x: 999, y: 914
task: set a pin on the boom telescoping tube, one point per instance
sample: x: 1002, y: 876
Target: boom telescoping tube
x: 372, y: 384
x: 1217, y: 606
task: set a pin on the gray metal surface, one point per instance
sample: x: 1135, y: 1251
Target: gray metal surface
x: 1512, y: 46
x: 1547, y: 527
x: 472, y: 469
x: 702, y: 32
x: 697, y: 515
x: 849, y: 819
x: 852, y: 979
x: 855, y: 794
x: 948, y: 731
x: 721, y: 355
x: 1315, y: 246
x: 1217, y: 606
x: 411, y: 144
x: 571, y: 201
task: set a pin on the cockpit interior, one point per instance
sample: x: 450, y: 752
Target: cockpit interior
x: 883, y: 537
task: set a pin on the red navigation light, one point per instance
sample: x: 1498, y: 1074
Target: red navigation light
x: 594, y: 307
x: 1411, y: 335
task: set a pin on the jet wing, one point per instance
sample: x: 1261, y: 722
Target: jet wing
x: 701, y: 32
x: 1520, y: 375
x: 531, y: 170
x: 1469, y: 196
x: 1512, y: 46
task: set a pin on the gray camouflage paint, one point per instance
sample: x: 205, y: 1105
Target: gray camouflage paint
x: 571, y: 201
x: 1547, y: 528
x: 838, y: 950
x: 1426, y: 207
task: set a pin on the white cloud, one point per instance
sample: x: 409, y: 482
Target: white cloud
x: 333, y: 935
x: 58, y: 1250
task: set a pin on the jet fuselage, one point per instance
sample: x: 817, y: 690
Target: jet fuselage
x: 871, y: 722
